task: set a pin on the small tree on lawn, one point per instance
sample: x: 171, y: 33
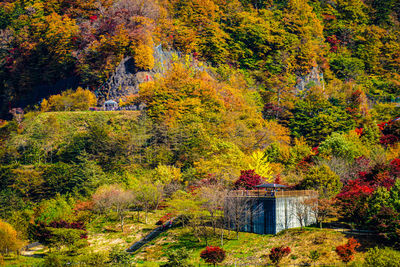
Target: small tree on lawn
x: 213, y: 255
x: 314, y: 256
x: 113, y: 197
x: 277, y: 254
x: 346, y: 252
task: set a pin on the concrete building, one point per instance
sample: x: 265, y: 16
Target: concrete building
x: 269, y: 211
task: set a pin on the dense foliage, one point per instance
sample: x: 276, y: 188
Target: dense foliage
x: 303, y: 93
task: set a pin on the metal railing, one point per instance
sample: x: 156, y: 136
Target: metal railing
x: 272, y: 194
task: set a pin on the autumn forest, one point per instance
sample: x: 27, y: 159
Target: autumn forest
x: 138, y: 133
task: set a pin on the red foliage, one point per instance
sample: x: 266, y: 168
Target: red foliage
x: 248, y: 180
x: 388, y: 139
x: 277, y: 254
x: 383, y: 179
x: 213, y: 255
x: 346, y: 252
x: 353, y: 199
x: 93, y: 18
x: 329, y: 16
x: 395, y: 168
x: 84, y: 205
x: 333, y: 40
x: 278, y: 179
x: 359, y: 131
x: 164, y: 219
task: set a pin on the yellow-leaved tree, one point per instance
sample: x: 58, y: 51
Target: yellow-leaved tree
x: 259, y: 163
x: 70, y: 100
x: 9, y: 240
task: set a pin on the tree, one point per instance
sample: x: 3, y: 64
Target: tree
x: 178, y: 258
x: 302, y: 212
x: 322, y: 208
x: 340, y: 145
x: 314, y: 256
x: 214, y: 196
x: 213, y: 255
x: 346, y: 252
x: 260, y: 165
x: 71, y: 238
x: 248, y: 180
x: 386, y: 257
x: 9, y: 239
x: 322, y: 179
x: 70, y: 101
x: 189, y: 208
x: 147, y: 196
x: 278, y: 253
x: 238, y: 211
x: 113, y: 197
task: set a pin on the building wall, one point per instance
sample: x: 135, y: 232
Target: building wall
x: 287, y: 209
x: 272, y: 215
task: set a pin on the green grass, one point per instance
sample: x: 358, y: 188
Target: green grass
x: 252, y: 248
x: 22, y: 261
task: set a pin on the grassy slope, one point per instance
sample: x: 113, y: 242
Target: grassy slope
x: 254, y: 249
x: 78, y: 120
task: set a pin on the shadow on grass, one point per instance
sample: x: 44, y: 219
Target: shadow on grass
x: 188, y: 241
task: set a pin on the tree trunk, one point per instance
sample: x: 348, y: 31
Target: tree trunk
x: 121, y: 217
x: 222, y: 237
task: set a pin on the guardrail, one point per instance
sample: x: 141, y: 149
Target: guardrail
x: 272, y: 194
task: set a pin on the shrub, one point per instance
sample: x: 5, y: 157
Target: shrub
x: 277, y: 254
x: 177, y: 258
x: 382, y: 257
x: 213, y: 255
x: 314, y: 255
x: 93, y: 259
x: 346, y: 252
x: 395, y: 167
x: 119, y: 256
x: 54, y: 260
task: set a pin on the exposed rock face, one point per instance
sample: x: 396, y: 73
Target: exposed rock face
x: 124, y: 81
x: 314, y: 78
x: 127, y: 77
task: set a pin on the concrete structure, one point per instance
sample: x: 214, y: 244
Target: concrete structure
x: 269, y: 212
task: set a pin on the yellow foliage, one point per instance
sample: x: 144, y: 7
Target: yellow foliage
x: 393, y: 152
x: 167, y: 174
x: 44, y: 106
x: 143, y: 57
x: 9, y: 238
x: 70, y: 101
x: 259, y: 163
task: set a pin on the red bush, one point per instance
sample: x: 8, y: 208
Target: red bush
x: 213, y: 255
x: 346, y: 252
x: 388, y: 139
x: 278, y: 253
x: 395, y: 168
x: 248, y: 180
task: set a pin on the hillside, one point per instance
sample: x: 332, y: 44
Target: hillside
x: 208, y: 99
